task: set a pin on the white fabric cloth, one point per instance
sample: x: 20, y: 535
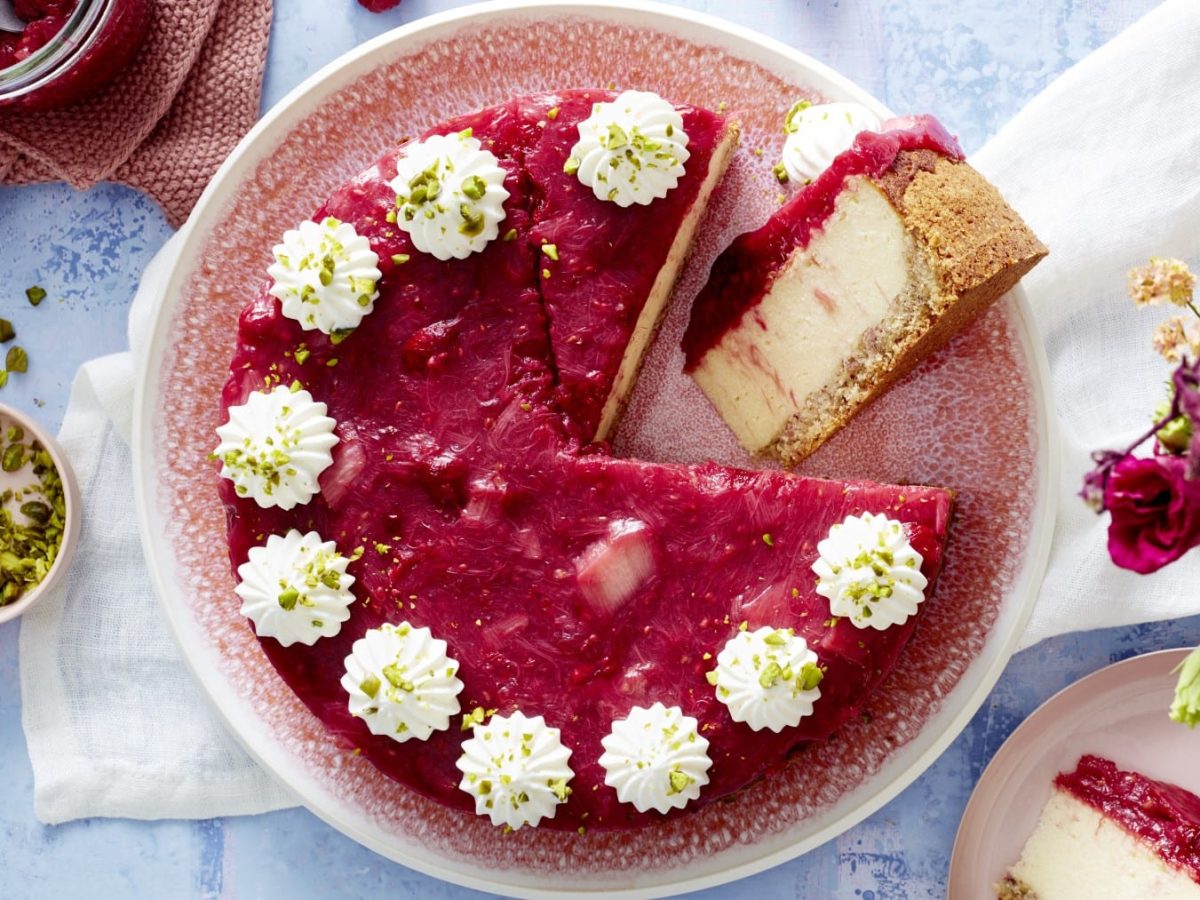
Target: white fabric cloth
x: 1103, y: 165
x: 114, y: 721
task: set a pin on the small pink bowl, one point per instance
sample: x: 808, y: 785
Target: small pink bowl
x: 70, y: 537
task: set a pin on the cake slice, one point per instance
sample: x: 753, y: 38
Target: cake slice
x: 613, y: 267
x: 867, y: 270
x: 1107, y: 833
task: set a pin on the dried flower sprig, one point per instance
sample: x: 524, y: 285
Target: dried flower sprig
x: 1163, y: 280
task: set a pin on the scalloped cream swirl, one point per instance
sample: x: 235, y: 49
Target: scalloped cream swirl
x: 656, y: 758
x: 870, y: 572
x: 325, y: 276
x: 402, y: 682
x: 295, y: 588
x: 449, y: 195
x: 816, y: 134
x: 515, y: 767
x: 631, y: 150
x: 767, y: 678
x: 275, y: 446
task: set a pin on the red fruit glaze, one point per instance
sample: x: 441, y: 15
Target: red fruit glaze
x: 378, y: 5
x: 46, y: 18
x: 1162, y: 815
x: 460, y: 457
x: 743, y: 274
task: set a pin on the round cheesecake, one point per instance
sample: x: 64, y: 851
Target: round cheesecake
x: 531, y: 628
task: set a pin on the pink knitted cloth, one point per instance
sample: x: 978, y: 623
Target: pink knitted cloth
x: 167, y: 123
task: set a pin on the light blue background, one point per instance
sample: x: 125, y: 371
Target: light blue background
x: 972, y: 62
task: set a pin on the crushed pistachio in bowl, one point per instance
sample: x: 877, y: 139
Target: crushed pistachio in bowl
x: 39, y: 512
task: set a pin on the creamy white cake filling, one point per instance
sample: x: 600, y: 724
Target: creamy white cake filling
x: 826, y: 298
x: 1075, y: 853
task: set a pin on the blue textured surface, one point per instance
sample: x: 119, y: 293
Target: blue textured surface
x: 973, y: 62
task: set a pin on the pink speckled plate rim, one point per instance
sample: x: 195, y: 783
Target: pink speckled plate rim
x: 901, y: 768
x: 1118, y: 712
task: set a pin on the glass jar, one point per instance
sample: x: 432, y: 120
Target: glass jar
x: 96, y: 43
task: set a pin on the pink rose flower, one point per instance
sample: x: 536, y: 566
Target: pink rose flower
x: 1155, y: 512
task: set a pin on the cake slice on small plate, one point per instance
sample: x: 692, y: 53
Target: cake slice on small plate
x: 1109, y: 833
x: 892, y: 249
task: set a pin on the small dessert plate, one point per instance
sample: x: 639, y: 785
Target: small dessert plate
x: 1119, y: 712
x: 24, y: 478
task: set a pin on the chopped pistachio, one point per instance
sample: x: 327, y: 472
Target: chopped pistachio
x: 780, y: 172
x: 552, y: 113
x: 7, y: 332
x: 510, y: 235
x: 35, y: 295
x: 14, y: 457
x: 400, y: 258
x: 551, y: 250
x: 17, y: 360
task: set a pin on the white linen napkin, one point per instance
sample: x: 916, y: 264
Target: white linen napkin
x: 114, y: 721
x: 1104, y: 165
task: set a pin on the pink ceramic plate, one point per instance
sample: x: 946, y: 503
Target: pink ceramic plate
x: 973, y: 418
x: 1119, y: 712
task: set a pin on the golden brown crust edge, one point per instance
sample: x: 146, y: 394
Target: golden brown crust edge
x: 975, y: 249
